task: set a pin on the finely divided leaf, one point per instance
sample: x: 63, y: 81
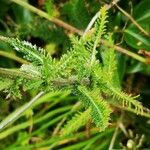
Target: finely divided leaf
x: 100, y: 110
x: 32, y: 52
x: 76, y: 122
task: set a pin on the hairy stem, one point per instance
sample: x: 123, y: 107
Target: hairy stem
x: 13, y: 73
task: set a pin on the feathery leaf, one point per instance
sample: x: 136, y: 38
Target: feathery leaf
x: 77, y: 121
x: 100, y: 110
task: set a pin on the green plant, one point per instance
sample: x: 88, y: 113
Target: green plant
x: 88, y: 71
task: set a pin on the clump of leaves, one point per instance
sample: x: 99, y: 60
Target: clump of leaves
x: 80, y: 71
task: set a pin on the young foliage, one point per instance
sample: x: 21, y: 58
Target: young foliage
x: 100, y: 110
x: 80, y: 71
x: 100, y: 28
x: 76, y: 122
x: 5, y: 83
x: 110, y: 64
x: 31, y: 52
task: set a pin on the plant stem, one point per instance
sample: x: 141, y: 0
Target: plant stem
x: 125, y: 51
x: 12, y: 73
x: 118, y: 48
x: 132, y: 20
x: 131, y: 54
x: 14, y: 57
x: 46, y: 16
x: 73, y: 29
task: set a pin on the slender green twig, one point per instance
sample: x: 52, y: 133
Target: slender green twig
x: 13, y: 73
x: 125, y: 51
x: 46, y: 16
x: 14, y: 57
x: 131, y: 54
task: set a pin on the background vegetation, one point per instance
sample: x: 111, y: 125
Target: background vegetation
x: 43, y: 125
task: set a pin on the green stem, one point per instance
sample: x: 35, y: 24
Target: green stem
x: 14, y: 57
x: 46, y: 16
x: 125, y: 51
x: 12, y: 73
x: 131, y: 54
x: 72, y: 29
